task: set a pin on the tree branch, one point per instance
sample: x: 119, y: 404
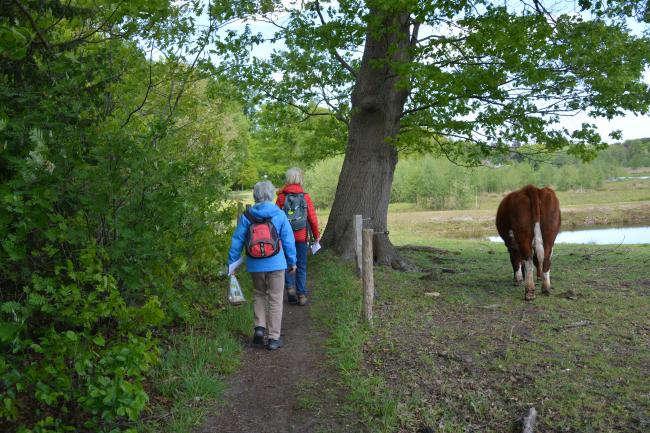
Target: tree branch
x: 146, y: 95
x: 333, y: 51
x: 414, y: 34
x: 83, y: 37
x: 33, y: 23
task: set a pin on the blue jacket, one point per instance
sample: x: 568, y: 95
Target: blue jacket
x: 284, y: 259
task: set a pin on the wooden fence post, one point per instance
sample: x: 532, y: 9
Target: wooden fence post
x: 368, y: 277
x: 240, y: 211
x: 357, y: 223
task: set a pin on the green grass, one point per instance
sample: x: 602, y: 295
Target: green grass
x: 477, y: 356
x: 195, y: 360
x: 474, y: 357
x: 337, y: 306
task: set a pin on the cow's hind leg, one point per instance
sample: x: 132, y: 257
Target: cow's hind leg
x: 538, y: 249
x: 546, y: 283
x: 517, y: 270
x: 529, y: 267
x: 529, y: 282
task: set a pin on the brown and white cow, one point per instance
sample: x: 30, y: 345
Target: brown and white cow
x: 528, y: 220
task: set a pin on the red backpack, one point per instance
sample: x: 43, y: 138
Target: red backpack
x: 262, y: 240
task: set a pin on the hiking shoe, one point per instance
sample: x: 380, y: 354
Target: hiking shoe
x: 274, y: 344
x: 302, y: 299
x: 291, y: 295
x: 258, y: 336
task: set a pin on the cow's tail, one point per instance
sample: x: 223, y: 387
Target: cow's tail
x: 538, y: 241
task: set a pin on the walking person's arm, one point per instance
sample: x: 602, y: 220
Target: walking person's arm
x: 238, y: 240
x: 312, y: 218
x: 280, y: 200
x: 288, y: 242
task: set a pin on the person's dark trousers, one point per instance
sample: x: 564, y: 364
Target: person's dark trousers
x: 299, y: 279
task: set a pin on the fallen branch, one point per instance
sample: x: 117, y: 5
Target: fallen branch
x: 528, y: 423
x: 453, y: 357
x: 533, y: 340
x: 573, y: 325
x: 490, y: 307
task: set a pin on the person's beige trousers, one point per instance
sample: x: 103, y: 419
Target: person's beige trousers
x: 269, y: 291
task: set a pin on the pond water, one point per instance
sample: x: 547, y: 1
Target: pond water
x: 630, y: 177
x: 615, y: 236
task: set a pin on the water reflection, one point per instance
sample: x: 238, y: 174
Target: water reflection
x: 615, y: 236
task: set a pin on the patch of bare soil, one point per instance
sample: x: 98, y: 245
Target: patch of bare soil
x: 292, y: 389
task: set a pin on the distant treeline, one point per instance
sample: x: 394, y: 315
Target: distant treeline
x: 631, y: 153
x: 435, y: 183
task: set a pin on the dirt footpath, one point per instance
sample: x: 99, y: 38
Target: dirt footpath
x: 288, y: 390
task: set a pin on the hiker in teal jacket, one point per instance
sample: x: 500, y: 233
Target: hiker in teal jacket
x: 268, y: 272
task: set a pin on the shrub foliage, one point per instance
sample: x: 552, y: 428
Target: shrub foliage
x: 113, y: 173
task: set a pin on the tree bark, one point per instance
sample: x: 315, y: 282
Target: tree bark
x: 378, y: 100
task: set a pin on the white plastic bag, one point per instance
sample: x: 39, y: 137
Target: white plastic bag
x: 235, y: 295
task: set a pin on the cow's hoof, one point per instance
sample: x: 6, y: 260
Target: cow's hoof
x: 529, y: 297
x: 546, y: 292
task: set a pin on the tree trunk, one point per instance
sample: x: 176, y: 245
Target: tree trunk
x: 377, y: 103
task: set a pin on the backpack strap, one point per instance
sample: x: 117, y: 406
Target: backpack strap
x: 252, y: 218
x: 286, y: 194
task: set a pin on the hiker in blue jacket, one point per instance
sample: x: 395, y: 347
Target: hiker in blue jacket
x: 269, y: 254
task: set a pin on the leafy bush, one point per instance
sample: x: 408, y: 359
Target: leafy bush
x: 113, y: 175
x: 432, y: 183
x: 322, y: 179
x: 87, y: 350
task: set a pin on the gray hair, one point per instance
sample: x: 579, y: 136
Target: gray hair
x: 263, y: 191
x: 295, y: 175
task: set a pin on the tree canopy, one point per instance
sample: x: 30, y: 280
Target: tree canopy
x: 483, y: 72
x: 469, y: 78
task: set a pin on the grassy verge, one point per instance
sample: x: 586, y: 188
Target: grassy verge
x: 338, y: 294
x: 457, y: 349
x: 195, y: 360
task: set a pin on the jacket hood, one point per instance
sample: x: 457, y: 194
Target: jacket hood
x: 266, y: 209
x: 292, y: 188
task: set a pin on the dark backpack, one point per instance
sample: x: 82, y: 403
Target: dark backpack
x: 295, y: 207
x: 262, y: 240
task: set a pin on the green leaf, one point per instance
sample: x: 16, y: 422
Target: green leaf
x: 8, y: 331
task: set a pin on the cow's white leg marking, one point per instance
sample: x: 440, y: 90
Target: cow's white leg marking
x: 519, y: 276
x: 530, y: 282
x: 546, y: 284
x: 538, y: 244
x: 529, y: 268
